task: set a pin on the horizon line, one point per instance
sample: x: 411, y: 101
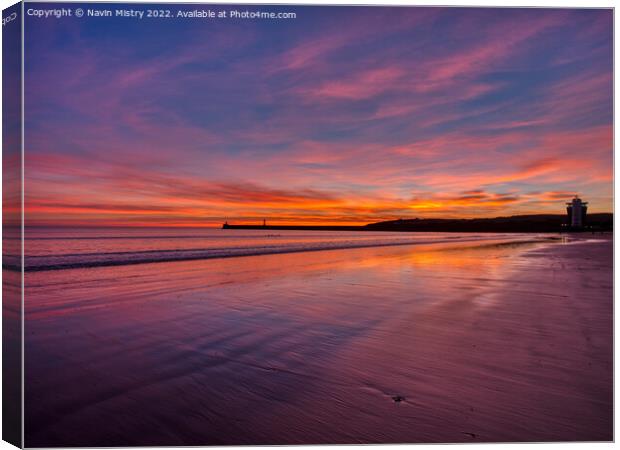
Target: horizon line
x: 274, y: 222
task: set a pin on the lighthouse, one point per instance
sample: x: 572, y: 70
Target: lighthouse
x: 576, y: 210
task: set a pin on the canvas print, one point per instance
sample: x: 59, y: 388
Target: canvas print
x: 296, y: 224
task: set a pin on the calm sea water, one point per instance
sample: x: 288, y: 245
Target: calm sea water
x: 58, y: 248
x: 458, y: 338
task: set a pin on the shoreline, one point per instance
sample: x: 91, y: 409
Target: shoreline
x: 208, y: 254
x: 438, y: 343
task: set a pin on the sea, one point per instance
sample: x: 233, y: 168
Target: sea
x: 158, y: 336
x: 66, y: 248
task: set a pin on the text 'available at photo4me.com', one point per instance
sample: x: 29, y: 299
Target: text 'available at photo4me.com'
x: 160, y: 13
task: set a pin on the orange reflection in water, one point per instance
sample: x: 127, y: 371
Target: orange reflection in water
x: 270, y: 349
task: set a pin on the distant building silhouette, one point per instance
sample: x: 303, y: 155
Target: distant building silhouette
x: 576, y: 210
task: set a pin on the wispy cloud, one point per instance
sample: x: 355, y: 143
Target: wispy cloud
x: 352, y: 115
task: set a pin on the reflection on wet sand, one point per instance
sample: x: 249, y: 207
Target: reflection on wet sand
x: 428, y: 343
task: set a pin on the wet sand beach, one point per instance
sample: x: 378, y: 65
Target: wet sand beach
x: 463, y: 342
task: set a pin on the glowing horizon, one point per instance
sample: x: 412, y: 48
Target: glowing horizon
x: 343, y: 116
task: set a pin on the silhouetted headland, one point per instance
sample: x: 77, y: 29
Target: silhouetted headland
x: 540, y: 223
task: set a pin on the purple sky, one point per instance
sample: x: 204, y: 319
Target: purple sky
x: 342, y: 115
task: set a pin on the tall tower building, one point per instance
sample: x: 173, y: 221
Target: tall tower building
x: 577, y: 212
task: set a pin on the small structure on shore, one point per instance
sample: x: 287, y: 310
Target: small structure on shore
x: 577, y: 210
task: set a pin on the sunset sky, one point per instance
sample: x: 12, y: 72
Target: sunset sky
x: 342, y: 116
